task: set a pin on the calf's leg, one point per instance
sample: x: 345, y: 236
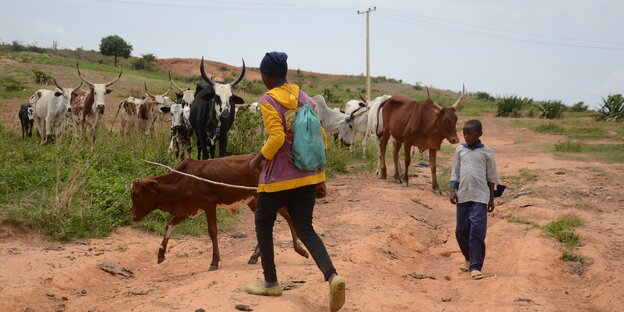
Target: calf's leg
x: 211, y: 216
x: 168, y: 230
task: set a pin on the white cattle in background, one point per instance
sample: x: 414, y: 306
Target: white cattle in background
x: 52, y: 109
x: 180, y: 144
x: 375, y: 124
x: 333, y: 121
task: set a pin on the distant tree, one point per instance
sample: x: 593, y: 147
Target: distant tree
x: 149, y: 57
x: 114, y: 45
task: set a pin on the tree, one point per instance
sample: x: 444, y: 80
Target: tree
x: 149, y: 57
x: 114, y: 45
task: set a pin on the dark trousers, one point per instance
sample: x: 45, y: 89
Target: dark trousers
x: 470, y: 232
x: 300, y: 205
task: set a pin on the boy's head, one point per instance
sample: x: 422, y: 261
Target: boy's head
x: 472, y: 131
x: 274, y: 68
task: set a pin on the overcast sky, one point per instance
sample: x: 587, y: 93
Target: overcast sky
x: 571, y: 50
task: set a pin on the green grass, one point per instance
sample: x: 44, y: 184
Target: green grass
x: 520, y: 220
x: 562, y: 229
x: 570, y: 256
x: 569, y: 147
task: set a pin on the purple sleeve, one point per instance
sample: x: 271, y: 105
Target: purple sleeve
x: 303, y: 97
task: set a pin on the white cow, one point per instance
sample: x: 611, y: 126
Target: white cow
x: 375, y: 124
x: 359, y: 112
x: 52, y: 110
x: 180, y: 144
x: 163, y: 102
x: 186, y: 95
x: 333, y: 121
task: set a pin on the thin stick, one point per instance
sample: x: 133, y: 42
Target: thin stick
x: 202, y: 179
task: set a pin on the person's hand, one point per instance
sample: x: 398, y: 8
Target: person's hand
x: 254, y: 165
x: 491, y: 205
x: 453, y: 197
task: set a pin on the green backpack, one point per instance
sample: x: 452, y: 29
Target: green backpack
x: 308, y: 147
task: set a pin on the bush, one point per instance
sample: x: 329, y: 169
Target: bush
x: 551, y: 110
x: 17, y: 46
x: 485, y: 96
x: 612, y: 108
x: 512, y: 106
x: 11, y: 84
x: 247, y: 134
x: 41, y: 77
x: 142, y: 64
x: 578, y: 107
x: 149, y: 57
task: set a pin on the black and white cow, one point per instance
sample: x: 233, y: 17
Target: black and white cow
x: 213, y: 112
x: 26, y: 116
x: 183, y: 96
x: 180, y: 144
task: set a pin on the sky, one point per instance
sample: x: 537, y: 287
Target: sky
x: 568, y: 50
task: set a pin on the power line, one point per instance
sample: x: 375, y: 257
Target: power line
x: 227, y: 5
x: 488, y: 35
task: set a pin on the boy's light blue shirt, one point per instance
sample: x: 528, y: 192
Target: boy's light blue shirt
x: 472, y: 170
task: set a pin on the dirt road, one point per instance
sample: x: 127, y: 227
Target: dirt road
x: 380, y: 236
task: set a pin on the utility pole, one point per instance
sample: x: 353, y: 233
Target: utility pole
x: 368, y: 88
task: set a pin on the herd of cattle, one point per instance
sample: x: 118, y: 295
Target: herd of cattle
x: 209, y: 112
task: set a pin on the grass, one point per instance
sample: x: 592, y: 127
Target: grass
x: 569, y: 147
x: 562, y: 229
x: 570, y: 256
x: 520, y: 220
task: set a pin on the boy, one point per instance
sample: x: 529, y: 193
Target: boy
x: 473, y: 177
x: 281, y: 183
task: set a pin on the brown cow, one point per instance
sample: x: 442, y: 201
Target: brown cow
x: 183, y: 197
x: 88, y: 106
x: 423, y: 124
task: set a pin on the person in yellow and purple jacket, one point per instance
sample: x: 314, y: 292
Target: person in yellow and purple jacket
x: 281, y: 183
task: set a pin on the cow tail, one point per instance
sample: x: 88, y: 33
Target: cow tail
x: 114, y: 119
x: 377, y: 124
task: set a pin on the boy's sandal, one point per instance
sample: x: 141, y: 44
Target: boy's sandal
x: 465, y: 267
x: 336, y: 293
x: 476, y: 275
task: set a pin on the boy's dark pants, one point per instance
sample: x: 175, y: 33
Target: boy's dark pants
x: 300, y: 205
x: 470, y: 232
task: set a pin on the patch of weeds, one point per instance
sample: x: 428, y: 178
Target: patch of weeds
x: 520, y: 220
x: 550, y: 128
x: 569, y: 147
x: 570, y: 256
x: 563, y: 230
x: 528, y: 175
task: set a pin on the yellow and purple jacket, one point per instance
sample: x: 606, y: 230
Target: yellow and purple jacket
x: 278, y: 107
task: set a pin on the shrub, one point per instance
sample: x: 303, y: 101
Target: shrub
x: 551, y: 110
x: 512, y: 106
x: 17, y: 46
x: 11, y: 84
x: 223, y: 68
x: 570, y: 256
x: 569, y: 147
x: 149, y: 57
x: 484, y: 96
x: 612, y: 108
x: 247, y: 134
x: 41, y: 77
x: 141, y: 64
x: 578, y: 107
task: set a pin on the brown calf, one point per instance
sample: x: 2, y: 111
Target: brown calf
x: 423, y: 124
x: 183, y: 197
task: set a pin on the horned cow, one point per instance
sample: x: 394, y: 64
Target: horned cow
x: 423, y: 124
x: 52, y: 109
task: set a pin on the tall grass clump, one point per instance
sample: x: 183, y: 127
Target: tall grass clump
x: 512, y: 106
x: 579, y: 107
x: 68, y: 190
x: 562, y: 229
x: 551, y: 110
x: 569, y: 146
x: 612, y: 108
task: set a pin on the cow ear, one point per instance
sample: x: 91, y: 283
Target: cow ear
x: 165, y: 109
x: 236, y: 100
x: 108, y: 91
x: 57, y: 94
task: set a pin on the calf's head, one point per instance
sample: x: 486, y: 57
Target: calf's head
x: 143, y: 195
x: 183, y: 96
x: 64, y: 95
x: 224, y: 98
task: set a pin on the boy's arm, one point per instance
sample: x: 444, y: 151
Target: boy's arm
x: 492, y: 178
x: 454, y: 178
x: 275, y: 129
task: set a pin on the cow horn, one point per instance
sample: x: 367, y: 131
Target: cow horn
x: 240, y: 77
x: 148, y: 93
x: 58, y: 86
x: 168, y: 90
x: 81, y: 78
x: 456, y: 104
x: 108, y: 84
x: 428, y: 95
x: 203, y: 73
x: 362, y: 98
x: 173, y: 83
x: 78, y: 87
